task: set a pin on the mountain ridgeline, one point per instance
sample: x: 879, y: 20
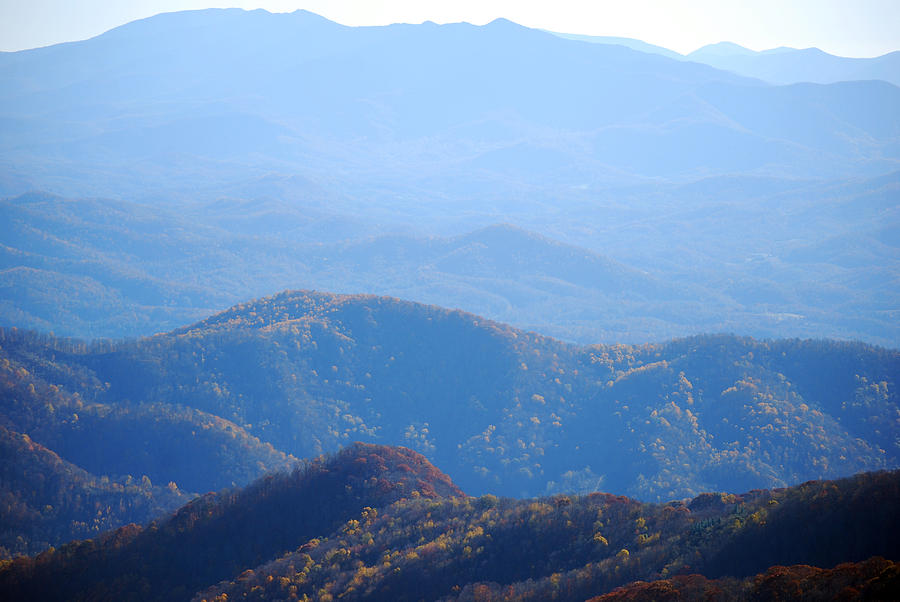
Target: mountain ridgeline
x: 375, y: 522
x: 233, y: 96
x: 503, y: 411
x: 782, y: 65
x: 219, y: 535
x: 131, y: 269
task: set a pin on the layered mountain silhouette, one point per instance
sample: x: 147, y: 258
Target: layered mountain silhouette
x: 792, y: 65
x: 232, y: 95
x: 688, y: 262
x: 781, y: 65
x: 580, y: 205
x: 254, y: 152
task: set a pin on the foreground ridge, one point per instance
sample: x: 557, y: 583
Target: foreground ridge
x: 374, y: 522
x: 219, y: 535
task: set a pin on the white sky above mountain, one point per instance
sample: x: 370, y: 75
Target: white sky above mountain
x: 860, y: 28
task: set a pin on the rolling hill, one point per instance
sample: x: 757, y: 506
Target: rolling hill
x: 503, y: 410
x: 806, y: 261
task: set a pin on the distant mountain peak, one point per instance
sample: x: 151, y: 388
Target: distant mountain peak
x: 722, y: 49
x: 501, y: 22
x: 779, y: 50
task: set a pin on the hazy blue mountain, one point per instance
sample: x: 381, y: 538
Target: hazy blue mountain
x: 232, y: 96
x: 627, y: 42
x: 751, y: 256
x: 130, y: 271
x: 720, y: 49
x: 781, y: 65
x: 253, y: 152
x: 791, y: 65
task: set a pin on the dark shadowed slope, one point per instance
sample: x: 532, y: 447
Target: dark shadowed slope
x: 381, y: 523
x: 572, y: 548
x: 872, y: 579
x: 220, y: 535
x: 74, y: 467
x: 48, y: 501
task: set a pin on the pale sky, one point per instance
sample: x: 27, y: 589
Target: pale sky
x: 861, y: 28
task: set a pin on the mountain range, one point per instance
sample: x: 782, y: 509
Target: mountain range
x: 133, y: 269
x: 531, y: 243
x: 781, y: 65
x: 257, y: 152
x: 403, y: 112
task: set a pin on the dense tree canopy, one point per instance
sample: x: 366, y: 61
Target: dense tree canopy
x: 502, y: 410
x: 377, y: 522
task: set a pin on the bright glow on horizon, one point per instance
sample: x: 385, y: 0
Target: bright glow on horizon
x: 861, y: 28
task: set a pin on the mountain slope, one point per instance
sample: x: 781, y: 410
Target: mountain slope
x: 74, y: 467
x: 571, y: 548
x: 510, y: 411
x: 48, y: 501
x: 874, y: 579
x: 381, y: 523
x: 221, y: 535
x: 56, y: 402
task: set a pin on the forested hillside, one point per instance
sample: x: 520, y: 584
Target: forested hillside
x: 74, y: 467
x: 641, y: 310
x: 382, y: 523
x: 219, y: 535
x: 573, y: 547
x: 502, y: 410
x: 47, y: 501
x: 873, y: 579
